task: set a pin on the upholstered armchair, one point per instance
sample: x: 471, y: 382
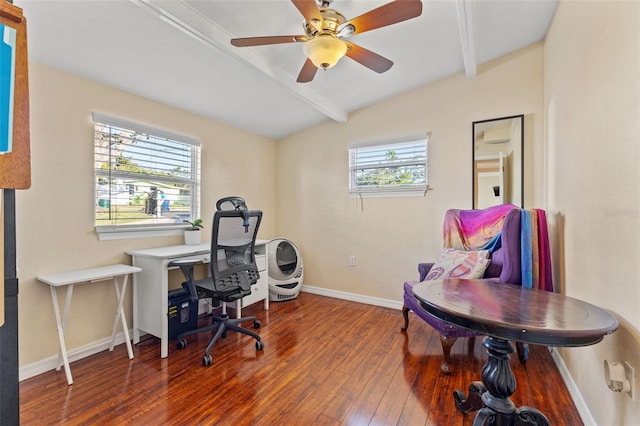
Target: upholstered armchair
x: 500, y: 243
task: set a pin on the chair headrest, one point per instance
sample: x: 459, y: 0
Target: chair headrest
x: 231, y: 203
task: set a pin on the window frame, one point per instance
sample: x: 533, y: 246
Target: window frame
x: 412, y: 190
x: 127, y: 231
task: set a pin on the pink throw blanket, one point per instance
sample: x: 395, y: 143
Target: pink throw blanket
x: 474, y: 229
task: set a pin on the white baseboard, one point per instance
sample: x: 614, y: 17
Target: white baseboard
x: 50, y: 363
x: 578, y: 400
x: 337, y: 294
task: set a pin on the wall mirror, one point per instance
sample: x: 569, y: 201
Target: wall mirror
x: 498, y: 146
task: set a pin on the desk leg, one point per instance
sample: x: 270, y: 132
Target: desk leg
x: 120, y: 292
x: 500, y: 383
x: 61, y: 324
x: 163, y: 318
x: 136, y: 330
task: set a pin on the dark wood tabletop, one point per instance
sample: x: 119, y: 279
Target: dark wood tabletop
x: 515, y: 313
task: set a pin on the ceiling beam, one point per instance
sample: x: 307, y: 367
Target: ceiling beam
x: 467, y: 36
x: 184, y: 18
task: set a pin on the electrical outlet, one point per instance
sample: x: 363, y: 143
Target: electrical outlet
x: 352, y: 260
x: 630, y: 374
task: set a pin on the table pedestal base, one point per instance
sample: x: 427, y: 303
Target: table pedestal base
x: 491, y: 397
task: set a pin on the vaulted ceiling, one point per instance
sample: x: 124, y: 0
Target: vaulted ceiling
x: 178, y: 52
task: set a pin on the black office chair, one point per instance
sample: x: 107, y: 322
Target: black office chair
x: 233, y: 271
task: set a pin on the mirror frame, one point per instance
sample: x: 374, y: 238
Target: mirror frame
x: 519, y: 203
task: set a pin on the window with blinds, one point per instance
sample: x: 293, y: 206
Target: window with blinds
x: 389, y: 168
x: 145, y: 178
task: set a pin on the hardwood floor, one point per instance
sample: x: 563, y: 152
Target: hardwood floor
x: 326, y: 362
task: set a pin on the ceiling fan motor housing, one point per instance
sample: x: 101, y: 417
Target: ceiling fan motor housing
x: 331, y: 21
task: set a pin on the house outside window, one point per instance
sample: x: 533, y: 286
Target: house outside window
x: 147, y: 180
x: 389, y: 168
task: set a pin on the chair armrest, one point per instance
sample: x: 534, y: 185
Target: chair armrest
x: 423, y: 269
x: 187, y: 267
x: 185, y: 262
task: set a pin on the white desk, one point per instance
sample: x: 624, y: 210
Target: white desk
x: 151, y: 286
x: 70, y: 279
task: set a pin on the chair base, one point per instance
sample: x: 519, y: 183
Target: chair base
x: 221, y: 324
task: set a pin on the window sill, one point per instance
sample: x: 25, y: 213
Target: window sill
x: 390, y: 194
x: 107, y: 233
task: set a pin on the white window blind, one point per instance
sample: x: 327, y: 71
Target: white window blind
x: 145, y: 178
x: 389, y: 168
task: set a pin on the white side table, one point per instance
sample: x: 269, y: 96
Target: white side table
x: 118, y: 273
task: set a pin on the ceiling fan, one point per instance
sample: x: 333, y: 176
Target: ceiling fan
x: 326, y: 29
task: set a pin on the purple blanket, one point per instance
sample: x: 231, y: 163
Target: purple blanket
x: 481, y: 230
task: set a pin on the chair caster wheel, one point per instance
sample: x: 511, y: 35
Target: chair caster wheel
x: 207, y: 360
x: 256, y: 324
x: 182, y: 343
x: 259, y: 345
x: 224, y: 335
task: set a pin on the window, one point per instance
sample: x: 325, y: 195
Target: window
x: 146, y: 179
x: 389, y: 168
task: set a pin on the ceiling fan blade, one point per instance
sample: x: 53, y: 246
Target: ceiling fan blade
x: 261, y: 41
x: 309, y: 9
x: 368, y: 58
x: 387, y: 14
x: 307, y: 72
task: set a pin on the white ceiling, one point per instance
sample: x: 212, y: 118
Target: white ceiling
x: 177, y: 52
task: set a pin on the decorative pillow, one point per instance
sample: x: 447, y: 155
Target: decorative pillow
x: 460, y: 264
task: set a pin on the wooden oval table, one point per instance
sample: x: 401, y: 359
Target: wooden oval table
x: 505, y: 312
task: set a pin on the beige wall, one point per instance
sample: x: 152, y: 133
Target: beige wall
x: 389, y: 236
x: 592, y: 102
x: 582, y: 164
x: 55, y: 217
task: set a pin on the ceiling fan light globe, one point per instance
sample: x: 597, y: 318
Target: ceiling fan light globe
x: 325, y: 50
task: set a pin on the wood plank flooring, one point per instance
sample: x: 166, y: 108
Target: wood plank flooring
x: 326, y: 362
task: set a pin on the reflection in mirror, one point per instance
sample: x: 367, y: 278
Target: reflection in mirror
x: 498, y: 162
